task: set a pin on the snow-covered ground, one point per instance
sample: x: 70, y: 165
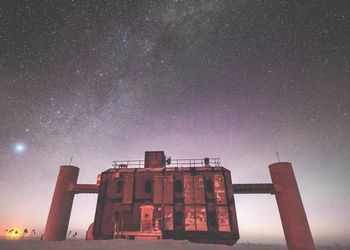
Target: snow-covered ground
x: 136, y: 244
x: 123, y: 245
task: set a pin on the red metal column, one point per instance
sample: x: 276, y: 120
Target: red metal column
x: 295, y: 225
x: 61, y: 205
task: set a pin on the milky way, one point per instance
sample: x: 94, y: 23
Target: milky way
x: 239, y: 80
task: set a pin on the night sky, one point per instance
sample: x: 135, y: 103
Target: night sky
x: 239, y: 80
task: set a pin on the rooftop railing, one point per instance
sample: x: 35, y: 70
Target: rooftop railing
x: 204, y: 162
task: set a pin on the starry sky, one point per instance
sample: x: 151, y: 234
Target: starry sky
x: 240, y: 80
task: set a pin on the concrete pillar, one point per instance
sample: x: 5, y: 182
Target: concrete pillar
x: 61, y: 205
x: 295, y: 225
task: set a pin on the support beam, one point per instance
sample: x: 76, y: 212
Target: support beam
x: 84, y: 189
x: 295, y: 225
x: 61, y: 205
x: 256, y: 188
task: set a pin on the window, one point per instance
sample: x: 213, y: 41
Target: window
x: 116, y: 215
x: 119, y: 186
x: 209, y: 186
x: 212, y: 219
x: 148, y: 186
x: 178, y: 186
x: 178, y: 218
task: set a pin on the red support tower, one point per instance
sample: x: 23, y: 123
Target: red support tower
x: 294, y: 221
x: 61, y: 205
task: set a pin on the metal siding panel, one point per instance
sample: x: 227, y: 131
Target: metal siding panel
x: 168, y: 218
x: 199, y: 189
x: 128, y: 188
x: 157, y: 189
x: 201, y: 218
x: 190, y: 223
x: 188, y: 189
x: 168, y: 193
x: 219, y: 189
x: 223, y: 219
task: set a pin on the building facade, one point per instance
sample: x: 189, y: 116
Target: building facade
x: 193, y: 201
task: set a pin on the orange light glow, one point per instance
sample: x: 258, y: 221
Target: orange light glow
x: 15, y: 233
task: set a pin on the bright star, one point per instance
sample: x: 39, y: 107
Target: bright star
x: 20, y: 148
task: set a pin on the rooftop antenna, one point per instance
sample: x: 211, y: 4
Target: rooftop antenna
x: 278, y: 157
x: 71, y: 159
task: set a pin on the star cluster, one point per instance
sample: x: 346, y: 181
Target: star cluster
x: 240, y: 80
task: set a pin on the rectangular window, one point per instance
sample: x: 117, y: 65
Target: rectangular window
x: 223, y: 219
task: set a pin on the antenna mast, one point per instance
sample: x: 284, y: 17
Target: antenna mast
x: 278, y: 157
